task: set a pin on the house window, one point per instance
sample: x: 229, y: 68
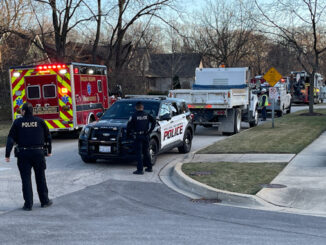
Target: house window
x: 49, y: 91
x: 33, y: 92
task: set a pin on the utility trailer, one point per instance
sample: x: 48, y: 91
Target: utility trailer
x: 221, y: 97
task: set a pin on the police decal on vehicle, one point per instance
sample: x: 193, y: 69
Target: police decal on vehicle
x: 173, y: 132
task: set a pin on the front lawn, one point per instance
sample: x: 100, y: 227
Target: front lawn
x: 238, y: 177
x: 292, y: 133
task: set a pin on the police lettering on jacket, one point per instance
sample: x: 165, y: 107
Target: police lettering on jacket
x: 139, y: 122
x: 29, y: 124
x: 140, y: 118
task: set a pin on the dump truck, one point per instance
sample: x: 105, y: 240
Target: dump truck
x: 221, y: 97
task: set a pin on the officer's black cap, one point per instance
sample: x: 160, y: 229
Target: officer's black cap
x: 139, y: 103
x: 28, y: 108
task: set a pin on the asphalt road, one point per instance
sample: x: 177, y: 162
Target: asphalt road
x: 104, y: 203
x: 66, y: 173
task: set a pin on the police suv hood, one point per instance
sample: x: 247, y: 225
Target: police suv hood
x: 119, y: 123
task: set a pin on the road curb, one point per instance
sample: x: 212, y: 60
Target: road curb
x: 182, y: 181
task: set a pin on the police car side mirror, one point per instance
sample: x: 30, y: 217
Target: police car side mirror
x: 99, y: 114
x: 165, y: 117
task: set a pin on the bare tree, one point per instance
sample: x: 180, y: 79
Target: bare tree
x: 64, y: 20
x: 301, y: 26
x: 224, y: 31
x: 127, y: 12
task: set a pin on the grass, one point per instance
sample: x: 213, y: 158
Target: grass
x: 4, y: 130
x: 244, y: 178
x: 292, y: 133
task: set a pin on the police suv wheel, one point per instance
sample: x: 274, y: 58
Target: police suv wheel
x: 153, y: 149
x: 88, y: 159
x: 187, y: 141
x: 288, y: 110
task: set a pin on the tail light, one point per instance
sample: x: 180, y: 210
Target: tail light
x: 192, y: 116
x: 229, y: 94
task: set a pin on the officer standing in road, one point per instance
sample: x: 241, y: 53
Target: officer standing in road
x: 33, y: 138
x: 263, y: 104
x: 139, y: 125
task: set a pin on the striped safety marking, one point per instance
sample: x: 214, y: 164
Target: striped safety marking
x: 65, y: 100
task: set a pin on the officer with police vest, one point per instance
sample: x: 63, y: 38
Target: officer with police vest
x: 33, y: 140
x: 138, y: 125
x: 263, y: 104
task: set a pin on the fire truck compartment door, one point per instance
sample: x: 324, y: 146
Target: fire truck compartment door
x: 42, y: 93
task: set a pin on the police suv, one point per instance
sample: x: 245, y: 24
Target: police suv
x: 108, y: 138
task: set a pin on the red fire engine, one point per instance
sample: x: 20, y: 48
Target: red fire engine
x: 67, y: 96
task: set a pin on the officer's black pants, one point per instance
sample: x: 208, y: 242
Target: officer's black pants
x: 263, y: 112
x: 142, y: 152
x: 28, y: 159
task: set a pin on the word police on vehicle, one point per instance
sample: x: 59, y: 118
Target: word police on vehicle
x: 173, y: 132
x: 108, y: 138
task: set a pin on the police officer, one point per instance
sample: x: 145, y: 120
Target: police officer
x: 31, y: 135
x: 263, y: 103
x: 139, y: 125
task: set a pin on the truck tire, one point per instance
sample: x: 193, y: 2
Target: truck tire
x: 279, y: 113
x: 254, y: 123
x: 237, y: 121
x: 288, y: 110
x: 186, y: 144
x: 153, y: 150
x: 88, y: 159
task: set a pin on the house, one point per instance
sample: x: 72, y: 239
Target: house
x: 175, y: 70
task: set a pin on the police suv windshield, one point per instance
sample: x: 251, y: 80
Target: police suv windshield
x: 123, y: 109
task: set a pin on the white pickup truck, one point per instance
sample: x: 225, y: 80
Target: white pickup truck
x: 283, y: 101
x: 221, y: 97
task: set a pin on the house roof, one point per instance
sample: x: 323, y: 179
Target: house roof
x: 176, y: 64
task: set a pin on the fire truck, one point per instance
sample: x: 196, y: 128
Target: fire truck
x: 67, y: 96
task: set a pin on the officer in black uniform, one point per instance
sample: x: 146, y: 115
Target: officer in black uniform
x: 33, y: 138
x: 139, y: 126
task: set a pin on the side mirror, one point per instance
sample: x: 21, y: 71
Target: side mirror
x: 99, y: 114
x: 165, y: 117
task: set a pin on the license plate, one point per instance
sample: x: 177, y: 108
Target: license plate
x: 105, y: 149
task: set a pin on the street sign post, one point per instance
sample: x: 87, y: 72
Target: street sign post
x: 272, y: 77
x: 273, y: 94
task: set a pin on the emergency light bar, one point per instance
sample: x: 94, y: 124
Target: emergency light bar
x: 55, y: 66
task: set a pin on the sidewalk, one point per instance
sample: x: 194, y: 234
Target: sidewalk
x: 305, y: 178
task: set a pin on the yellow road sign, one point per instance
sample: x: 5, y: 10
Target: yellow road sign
x: 272, y: 76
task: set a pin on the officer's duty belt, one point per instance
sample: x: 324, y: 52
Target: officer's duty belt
x: 140, y: 132
x: 31, y: 148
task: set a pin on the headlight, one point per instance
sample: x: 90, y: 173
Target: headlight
x: 85, y: 131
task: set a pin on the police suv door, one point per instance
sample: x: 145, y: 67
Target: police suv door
x: 165, y: 125
x: 179, y: 121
